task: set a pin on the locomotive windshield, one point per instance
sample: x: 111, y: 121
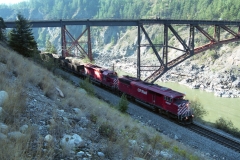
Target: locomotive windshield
x: 178, y: 98
x: 179, y: 101
x: 113, y: 74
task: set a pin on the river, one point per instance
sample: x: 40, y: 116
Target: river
x: 216, y: 107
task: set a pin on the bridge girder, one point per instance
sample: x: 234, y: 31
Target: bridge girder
x: 74, y: 43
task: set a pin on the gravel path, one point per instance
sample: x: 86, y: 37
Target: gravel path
x: 207, y: 147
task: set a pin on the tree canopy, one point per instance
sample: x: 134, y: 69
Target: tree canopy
x: 50, y: 47
x: 21, y: 37
x: 88, y: 9
x: 2, y: 30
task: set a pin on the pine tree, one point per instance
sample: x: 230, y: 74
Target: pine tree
x: 21, y: 38
x: 123, y: 104
x: 50, y: 47
x: 2, y: 29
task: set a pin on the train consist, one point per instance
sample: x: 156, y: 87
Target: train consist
x: 160, y: 99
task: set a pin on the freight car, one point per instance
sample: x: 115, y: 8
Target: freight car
x: 69, y: 65
x: 161, y: 99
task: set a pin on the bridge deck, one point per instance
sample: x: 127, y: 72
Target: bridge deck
x: 120, y: 22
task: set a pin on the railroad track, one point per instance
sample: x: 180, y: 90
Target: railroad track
x: 217, y: 137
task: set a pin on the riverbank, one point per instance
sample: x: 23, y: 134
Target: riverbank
x: 223, y: 84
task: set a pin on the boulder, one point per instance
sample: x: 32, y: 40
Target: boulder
x: 236, y: 83
x: 77, y: 111
x: 52, y: 122
x: 23, y: 128
x: 15, y: 135
x: 138, y: 158
x: 3, y: 127
x: 48, y: 138
x: 132, y: 142
x: 82, y: 91
x: 69, y: 143
x: 100, y: 154
x: 3, y: 136
x: 80, y: 154
x: 60, y: 92
x: 165, y: 154
x: 218, y: 94
x: 3, y: 97
x: 226, y: 95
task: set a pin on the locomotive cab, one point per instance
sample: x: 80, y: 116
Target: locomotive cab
x: 185, y: 114
x: 110, y: 79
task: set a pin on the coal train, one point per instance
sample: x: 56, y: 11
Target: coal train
x: 161, y: 99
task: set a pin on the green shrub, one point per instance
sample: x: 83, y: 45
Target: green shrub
x: 87, y: 86
x: 198, y: 109
x: 45, y: 60
x: 107, y: 130
x: 123, y: 104
x: 166, y: 144
x: 227, y: 126
x: 93, y: 118
x: 213, y: 55
x: 155, y: 141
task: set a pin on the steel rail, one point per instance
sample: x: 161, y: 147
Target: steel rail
x: 217, y: 137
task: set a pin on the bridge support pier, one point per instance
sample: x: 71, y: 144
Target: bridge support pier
x: 138, y: 53
x: 217, y: 33
x: 63, y: 41
x: 165, y: 46
x: 75, y: 44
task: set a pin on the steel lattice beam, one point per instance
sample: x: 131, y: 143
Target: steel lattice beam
x: 189, y: 48
x: 75, y: 43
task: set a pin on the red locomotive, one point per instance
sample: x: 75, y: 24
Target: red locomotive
x: 159, y: 98
x: 102, y: 76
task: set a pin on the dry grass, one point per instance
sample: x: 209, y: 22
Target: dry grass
x: 16, y: 104
x: 23, y: 147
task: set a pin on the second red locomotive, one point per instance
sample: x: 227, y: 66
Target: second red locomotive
x: 102, y: 76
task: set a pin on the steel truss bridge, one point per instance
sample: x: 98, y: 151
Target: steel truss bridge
x: 188, y: 48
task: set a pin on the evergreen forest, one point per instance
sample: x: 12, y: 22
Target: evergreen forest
x: 125, y: 9
x: 118, y: 9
